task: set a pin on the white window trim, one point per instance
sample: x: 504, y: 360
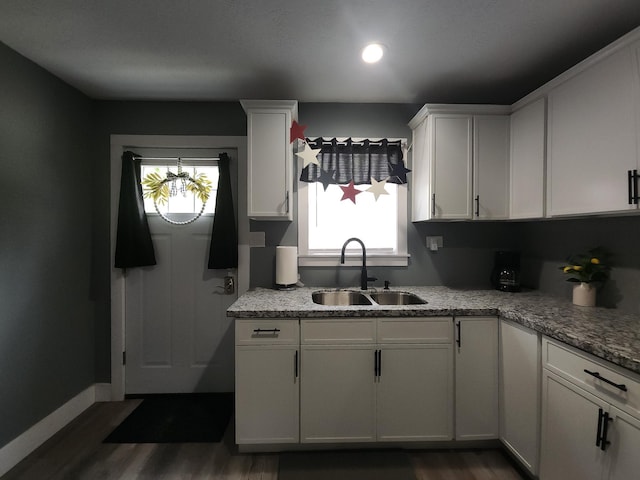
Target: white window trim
x: 399, y: 259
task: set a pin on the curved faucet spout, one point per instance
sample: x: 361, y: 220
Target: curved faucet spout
x: 364, y: 250
x: 364, y: 277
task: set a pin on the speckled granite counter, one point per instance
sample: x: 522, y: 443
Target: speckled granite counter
x: 606, y: 333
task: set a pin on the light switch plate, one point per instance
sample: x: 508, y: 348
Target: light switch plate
x: 434, y: 243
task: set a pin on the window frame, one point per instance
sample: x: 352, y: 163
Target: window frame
x: 400, y: 258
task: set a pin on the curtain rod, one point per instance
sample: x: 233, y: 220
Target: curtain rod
x: 177, y: 158
x: 359, y: 140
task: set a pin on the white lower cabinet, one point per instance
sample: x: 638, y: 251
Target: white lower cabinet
x: 589, y: 425
x: 476, y: 365
x: 356, y: 389
x: 338, y: 394
x: 569, y: 431
x: 519, y: 392
x: 414, y: 393
x: 267, y: 381
x: 623, y: 461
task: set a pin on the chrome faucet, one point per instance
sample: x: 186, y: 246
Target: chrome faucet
x: 364, y: 278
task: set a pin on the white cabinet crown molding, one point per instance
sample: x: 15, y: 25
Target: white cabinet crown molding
x: 617, y: 45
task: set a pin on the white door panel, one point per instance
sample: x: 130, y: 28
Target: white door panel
x: 178, y: 336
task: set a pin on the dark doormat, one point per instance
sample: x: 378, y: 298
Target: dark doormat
x: 346, y: 465
x: 176, y: 418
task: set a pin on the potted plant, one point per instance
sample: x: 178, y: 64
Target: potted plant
x: 587, y: 270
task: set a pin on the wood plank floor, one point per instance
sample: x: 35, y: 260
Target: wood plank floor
x: 77, y: 453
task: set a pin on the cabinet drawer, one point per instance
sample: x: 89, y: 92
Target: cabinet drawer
x: 331, y: 331
x: 415, y: 330
x: 267, y: 332
x: 573, y: 365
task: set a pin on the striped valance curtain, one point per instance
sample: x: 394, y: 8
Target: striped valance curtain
x: 356, y: 161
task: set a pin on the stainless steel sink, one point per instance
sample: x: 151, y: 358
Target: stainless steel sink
x: 339, y: 297
x: 396, y: 298
x: 354, y: 297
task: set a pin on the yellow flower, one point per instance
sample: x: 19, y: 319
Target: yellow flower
x: 566, y: 269
x: 595, y: 261
x: 577, y: 268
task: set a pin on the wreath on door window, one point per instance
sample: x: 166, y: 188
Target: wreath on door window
x: 160, y: 189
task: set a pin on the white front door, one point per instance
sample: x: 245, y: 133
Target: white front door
x: 177, y: 335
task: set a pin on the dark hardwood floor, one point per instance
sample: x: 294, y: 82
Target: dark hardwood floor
x: 77, y: 452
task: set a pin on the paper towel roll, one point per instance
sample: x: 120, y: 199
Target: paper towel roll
x: 286, y: 265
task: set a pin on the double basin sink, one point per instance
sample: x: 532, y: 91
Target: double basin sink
x: 355, y: 297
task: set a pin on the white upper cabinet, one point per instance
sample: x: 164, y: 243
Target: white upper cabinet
x: 490, y: 167
x: 528, y: 137
x: 270, y: 158
x: 593, y: 133
x: 449, y: 150
x: 460, y: 162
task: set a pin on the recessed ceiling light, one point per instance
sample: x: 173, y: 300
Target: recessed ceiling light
x: 372, y: 53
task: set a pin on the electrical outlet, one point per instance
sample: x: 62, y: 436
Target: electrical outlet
x: 229, y: 285
x: 434, y: 243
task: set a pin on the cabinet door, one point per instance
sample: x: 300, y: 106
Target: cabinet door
x: 519, y: 392
x: 476, y: 378
x: 337, y: 402
x: 593, y: 138
x: 491, y: 167
x: 267, y: 394
x: 527, y: 159
x: 623, y: 461
x: 415, y: 393
x: 569, y: 428
x: 450, y: 153
x: 420, y: 175
x: 270, y: 159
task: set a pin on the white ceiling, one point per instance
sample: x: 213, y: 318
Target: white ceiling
x: 464, y: 51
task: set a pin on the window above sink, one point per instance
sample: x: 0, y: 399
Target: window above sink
x: 325, y: 221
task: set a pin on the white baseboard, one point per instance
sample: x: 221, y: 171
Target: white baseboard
x: 18, y: 449
x: 103, y: 392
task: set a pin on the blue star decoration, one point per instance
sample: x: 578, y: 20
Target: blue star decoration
x: 326, y: 178
x: 400, y: 171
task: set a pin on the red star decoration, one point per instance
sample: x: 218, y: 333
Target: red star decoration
x: 296, y: 131
x: 350, y: 192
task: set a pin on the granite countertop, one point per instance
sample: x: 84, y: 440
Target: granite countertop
x: 605, y: 333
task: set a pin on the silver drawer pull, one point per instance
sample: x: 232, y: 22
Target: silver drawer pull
x: 621, y: 386
x: 258, y: 331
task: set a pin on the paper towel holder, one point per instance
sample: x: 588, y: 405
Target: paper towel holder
x: 286, y: 267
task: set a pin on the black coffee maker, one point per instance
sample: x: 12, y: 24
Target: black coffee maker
x: 506, y: 271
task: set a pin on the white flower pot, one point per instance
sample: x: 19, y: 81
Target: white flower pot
x: 584, y: 294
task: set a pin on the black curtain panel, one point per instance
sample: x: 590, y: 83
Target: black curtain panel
x: 223, y: 251
x: 358, y: 161
x: 134, y: 247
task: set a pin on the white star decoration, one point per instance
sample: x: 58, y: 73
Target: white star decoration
x: 377, y: 188
x: 309, y: 155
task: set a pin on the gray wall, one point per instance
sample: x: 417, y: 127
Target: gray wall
x: 546, y: 245
x: 46, y: 301
x: 467, y: 258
